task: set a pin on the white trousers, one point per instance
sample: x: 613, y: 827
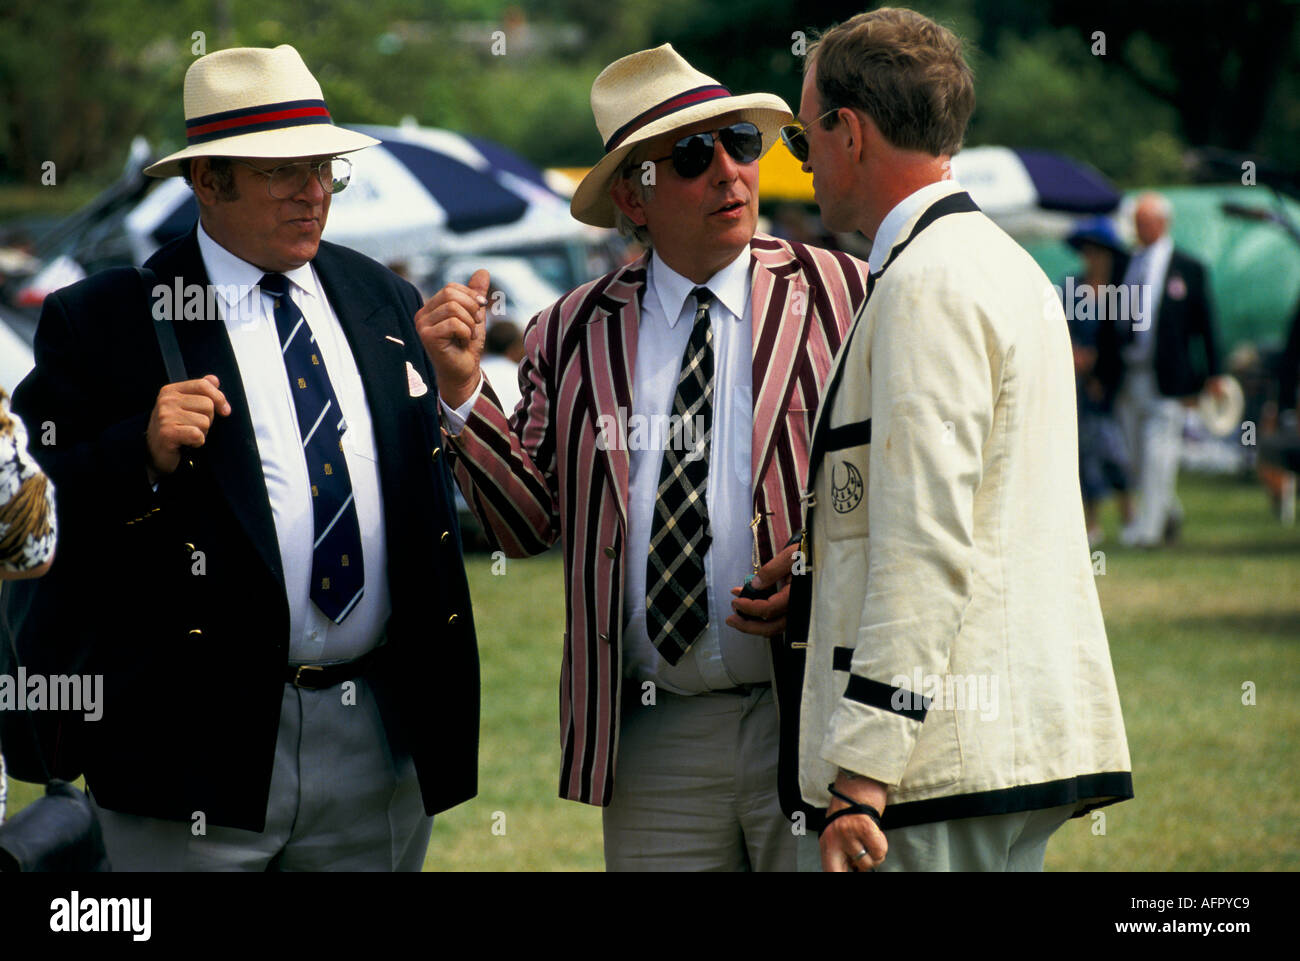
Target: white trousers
x: 1153, y: 431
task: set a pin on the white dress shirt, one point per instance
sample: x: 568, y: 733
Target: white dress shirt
x: 250, y: 324
x: 724, y: 657
x: 1147, y: 268
x: 905, y: 210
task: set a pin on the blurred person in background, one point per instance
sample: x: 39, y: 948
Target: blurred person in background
x: 503, y: 349
x: 1169, y: 356
x: 1103, y: 456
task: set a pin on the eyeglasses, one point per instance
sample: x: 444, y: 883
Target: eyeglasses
x: 795, y: 136
x: 288, y: 180
x: 693, y: 155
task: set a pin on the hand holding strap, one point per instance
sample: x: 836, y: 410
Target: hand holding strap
x: 854, y: 807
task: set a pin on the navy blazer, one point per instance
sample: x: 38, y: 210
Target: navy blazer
x: 194, y: 663
x: 1185, y: 355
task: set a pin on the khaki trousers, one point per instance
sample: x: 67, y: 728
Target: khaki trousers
x: 695, y: 786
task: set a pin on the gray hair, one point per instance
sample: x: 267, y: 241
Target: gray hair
x: 223, y: 176
x: 630, y: 170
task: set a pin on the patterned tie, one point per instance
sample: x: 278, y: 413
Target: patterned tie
x: 677, y: 613
x: 337, y: 569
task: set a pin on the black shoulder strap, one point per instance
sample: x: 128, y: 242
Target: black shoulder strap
x: 163, y: 330
x: 958, y: 203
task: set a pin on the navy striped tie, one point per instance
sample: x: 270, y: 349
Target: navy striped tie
x: 337, y: 569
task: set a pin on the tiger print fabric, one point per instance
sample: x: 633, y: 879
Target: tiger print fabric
x: 27, y: 521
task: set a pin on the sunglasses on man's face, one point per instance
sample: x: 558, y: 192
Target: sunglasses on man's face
x: 795, y: 137
x: 693, y: 155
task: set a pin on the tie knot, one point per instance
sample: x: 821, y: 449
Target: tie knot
x: 274, y: 284
x: 703, y: 298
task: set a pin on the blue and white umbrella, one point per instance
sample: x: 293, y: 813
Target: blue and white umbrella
x: 420, y: 192
x: 1033, y: 191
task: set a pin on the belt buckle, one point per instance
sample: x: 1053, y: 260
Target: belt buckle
x: 297, y: 677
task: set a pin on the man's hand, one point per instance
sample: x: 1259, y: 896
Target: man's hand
x: 847, y: 837
x: 181, y: 417
x: 765, y: 618
x: 452, y: 326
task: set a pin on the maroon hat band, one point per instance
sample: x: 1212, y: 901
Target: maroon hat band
x: 670, y: 106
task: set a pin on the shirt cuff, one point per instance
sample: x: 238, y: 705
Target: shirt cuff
x: 456, y: 417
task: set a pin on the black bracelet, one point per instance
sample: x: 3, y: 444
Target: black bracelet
x: 854, y: 807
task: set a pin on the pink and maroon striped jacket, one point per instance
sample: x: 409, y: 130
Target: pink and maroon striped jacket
x: 544, y: 474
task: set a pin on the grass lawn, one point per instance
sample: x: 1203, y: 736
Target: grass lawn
x: 1216, y: 780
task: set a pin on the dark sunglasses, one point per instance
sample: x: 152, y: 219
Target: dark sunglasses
x: 693, y: 155
x: 795, y: 136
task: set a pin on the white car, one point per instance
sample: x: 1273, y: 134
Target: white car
x: 16, y: 359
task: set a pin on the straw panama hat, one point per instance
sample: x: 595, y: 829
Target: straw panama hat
x: 256, y: 102
x: 1222, y: 415
x: 649, y: 93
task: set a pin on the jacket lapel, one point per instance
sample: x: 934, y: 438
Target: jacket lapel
x: 781, y: 308
x: 230, y: 451
x: 609, y: 366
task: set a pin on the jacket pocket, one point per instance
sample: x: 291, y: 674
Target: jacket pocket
x: 937, y: 760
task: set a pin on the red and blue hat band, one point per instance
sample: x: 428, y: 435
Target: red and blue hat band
x: 269, y: 116
x: 670, y: 106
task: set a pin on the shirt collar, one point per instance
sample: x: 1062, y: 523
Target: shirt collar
x: 233, y: 278
x: 1160, y: 248
x: 729, y: 286
x: 904, y: 211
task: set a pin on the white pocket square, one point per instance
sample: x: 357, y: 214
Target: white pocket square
x: 416, y: 384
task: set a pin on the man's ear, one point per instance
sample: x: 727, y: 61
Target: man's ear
x: 856, y: 129
x: 205, y: 186
x: 628, y: 199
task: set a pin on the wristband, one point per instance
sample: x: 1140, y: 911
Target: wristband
x: 854, y: 807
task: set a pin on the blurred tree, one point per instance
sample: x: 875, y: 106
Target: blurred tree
x: 1228, y: 68
x: 78, y: 80
x: 1049, y: 92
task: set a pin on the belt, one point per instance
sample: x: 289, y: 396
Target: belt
x: 632, y: 688
x: 317, y: 677
x: 741, y: 689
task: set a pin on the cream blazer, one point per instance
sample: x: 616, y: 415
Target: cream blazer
x: 956, y: 650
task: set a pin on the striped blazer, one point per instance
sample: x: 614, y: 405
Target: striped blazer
x: 546, y: 474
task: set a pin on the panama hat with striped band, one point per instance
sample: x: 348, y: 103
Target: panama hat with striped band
x: 256, y: 102
x: 649, y: 93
